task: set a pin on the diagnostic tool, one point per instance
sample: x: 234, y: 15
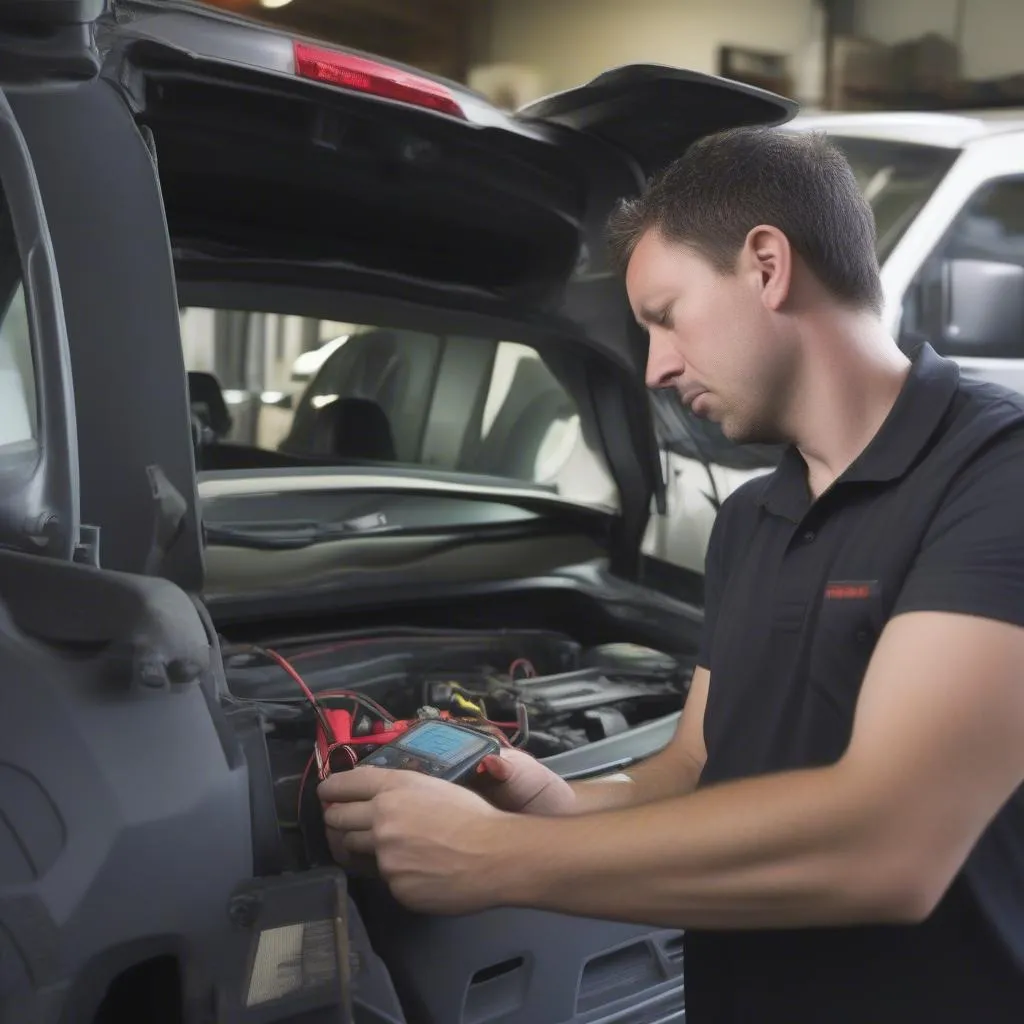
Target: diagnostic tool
x: 439, y: 748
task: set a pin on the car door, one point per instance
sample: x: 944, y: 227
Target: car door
x: 968, y: 297
x: 970, y: 226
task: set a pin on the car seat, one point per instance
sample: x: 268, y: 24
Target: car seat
x: 353, y: 428
x: 534, y: 403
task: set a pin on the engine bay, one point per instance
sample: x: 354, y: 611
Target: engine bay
x: 538, y: 690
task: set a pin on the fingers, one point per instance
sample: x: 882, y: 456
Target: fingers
x: 504, y: 766
x: 362, y: 865
x: 359, y: 844
x: 355, y: 817
x: 362, y: 783
x: 350, y: 832
x: 498, y: 768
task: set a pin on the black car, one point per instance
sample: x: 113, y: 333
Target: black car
x: 168, y: 592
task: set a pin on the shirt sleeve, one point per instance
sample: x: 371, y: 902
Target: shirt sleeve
x: 972, y: 559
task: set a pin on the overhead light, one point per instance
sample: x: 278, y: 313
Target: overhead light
x: 274, y: 3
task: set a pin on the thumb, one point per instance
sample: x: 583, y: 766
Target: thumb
x: 497, y: 767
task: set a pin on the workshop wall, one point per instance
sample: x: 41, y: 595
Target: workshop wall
x: 990, y: 31
x: 570, y: 41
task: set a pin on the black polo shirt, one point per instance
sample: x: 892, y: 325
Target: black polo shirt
x: 929, y: 517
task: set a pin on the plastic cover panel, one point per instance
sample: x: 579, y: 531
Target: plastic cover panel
x: 525, y: 967
x: 117, y: 281
x: 126, y: 811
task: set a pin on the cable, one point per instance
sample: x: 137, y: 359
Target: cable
x: 522, y: 735
x: 302, y: 786
x: 525, y: 663
x: 361, y: 698
x: 287, y: 666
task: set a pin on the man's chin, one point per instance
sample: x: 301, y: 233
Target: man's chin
x: 746, y: 435
x: 737, y: 433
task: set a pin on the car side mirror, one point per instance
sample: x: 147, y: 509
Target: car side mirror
x: 982, y: 308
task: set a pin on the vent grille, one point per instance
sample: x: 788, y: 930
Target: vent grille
x: 667, y: 1008
x: 672, y: 950
x: 624, y: 972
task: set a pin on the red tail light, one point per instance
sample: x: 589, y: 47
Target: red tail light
x: 351, y: 72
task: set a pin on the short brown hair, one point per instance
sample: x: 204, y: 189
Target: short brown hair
x: 726, y: 184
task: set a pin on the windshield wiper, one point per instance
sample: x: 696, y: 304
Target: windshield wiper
x: 288, y: 534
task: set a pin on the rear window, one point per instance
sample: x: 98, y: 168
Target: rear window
x: 897, y: 179
x: 267, y: 388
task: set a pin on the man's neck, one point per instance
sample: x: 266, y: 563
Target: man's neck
x: 852, y: 375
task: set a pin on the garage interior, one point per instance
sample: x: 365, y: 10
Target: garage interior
x: 828, y: 54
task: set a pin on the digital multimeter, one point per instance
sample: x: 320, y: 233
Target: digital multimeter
x: 442, y: 749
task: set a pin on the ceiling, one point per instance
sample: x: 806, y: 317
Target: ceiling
x: 431, y: 34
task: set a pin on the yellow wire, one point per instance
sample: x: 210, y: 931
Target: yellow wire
x: 466, y: 704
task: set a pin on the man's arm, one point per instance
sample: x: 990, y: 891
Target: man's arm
x: 673, y: 771
x: 937, y: 748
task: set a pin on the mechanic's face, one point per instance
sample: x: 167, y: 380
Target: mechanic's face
x: 715, y: 337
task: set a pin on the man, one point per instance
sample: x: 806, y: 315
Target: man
x: 839, y: 821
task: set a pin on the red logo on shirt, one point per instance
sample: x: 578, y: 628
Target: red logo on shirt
x: 853, y: 590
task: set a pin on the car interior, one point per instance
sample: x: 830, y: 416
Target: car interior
x: 477, y: 406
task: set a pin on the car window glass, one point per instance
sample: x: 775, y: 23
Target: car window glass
x: 18, y: 419
x: 355, y: 393
x: 988, y: 236
x: 897, y: 178
x: 991, y: 226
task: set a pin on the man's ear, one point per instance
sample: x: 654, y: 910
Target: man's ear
x: 768, y: 255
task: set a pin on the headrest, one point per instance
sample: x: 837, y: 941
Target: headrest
x: 360, y: 430
x: 207, y: 402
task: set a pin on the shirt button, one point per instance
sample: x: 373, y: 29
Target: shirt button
x: 809, y: 536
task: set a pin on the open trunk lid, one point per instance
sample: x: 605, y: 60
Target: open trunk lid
x: 350, y: 158
x: 285, y: 156
x: 651, y: 113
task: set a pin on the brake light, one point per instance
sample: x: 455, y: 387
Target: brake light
x: 352, y: 72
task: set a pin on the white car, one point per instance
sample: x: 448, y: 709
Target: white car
x: 947, y: 191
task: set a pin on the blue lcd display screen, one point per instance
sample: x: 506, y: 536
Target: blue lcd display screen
x: 441, y: 743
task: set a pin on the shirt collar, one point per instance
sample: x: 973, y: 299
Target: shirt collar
x: 916, y: 414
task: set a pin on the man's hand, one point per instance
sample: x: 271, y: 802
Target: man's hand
x: 434, y: 842
x: 515, y: 781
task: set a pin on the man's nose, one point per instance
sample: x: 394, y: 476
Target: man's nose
x: 664, y: 364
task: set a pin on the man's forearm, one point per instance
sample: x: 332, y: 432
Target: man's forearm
x: 793, y: 850
x: 664, y: 776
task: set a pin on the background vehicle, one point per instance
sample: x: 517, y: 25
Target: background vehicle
x: 948, y: 196
x: 160, y: 860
